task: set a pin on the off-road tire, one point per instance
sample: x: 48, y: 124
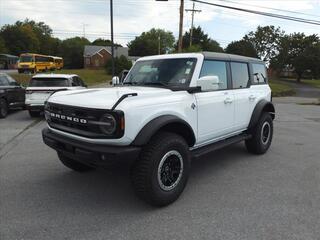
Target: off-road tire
x: 3, y: 108
x: 34, y: 114
x: 259, y: 144
x: 72, y: 164
x: 145, y: 176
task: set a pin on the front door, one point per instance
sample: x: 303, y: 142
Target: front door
x: 215, y: 108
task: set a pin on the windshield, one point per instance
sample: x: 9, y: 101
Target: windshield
x: 163, y: 72
x: 48, y: 82
x: 26, y: 59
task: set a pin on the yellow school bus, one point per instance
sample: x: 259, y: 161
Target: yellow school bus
x: 58, y: 62
x: 31, y: 62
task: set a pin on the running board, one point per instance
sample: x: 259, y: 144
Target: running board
x: 196, y: 153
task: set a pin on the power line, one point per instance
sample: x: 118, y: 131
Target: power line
x: 301, y: 20
x: 269, y: 8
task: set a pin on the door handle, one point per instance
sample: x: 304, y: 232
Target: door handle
x: 252, y: 97
x: 228, y: 100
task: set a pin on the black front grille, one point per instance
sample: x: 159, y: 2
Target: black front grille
x: 87, y: 124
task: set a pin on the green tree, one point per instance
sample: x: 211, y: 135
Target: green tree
x: 298, y: 52
x: 29, y: 36
x: 121, y: 63
x: 193, y: 48
x: 72, y: 51
x: 104, y: 42
x: 266, y: 41
x: 3, y: 48
x: 202, y: 40
x: 19, y: 39
x: 243, y: 48
x: 148, y: 43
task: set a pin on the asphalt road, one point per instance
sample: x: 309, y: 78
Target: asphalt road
x: 231, y: 194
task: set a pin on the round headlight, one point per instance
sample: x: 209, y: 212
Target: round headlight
x: 108, y: 124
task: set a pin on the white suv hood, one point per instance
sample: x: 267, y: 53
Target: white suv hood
x: 103, y: 98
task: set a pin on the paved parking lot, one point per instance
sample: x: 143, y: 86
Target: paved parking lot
x: 231, y: 194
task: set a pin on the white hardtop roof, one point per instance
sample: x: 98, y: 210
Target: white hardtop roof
x: 174, y: 55
x: 206, y: 55
x: 52, y: 75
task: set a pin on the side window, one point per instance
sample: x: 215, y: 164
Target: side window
x: 11, y: 81
x: 240, y: 75
x: 259, y: 73
x: 81, y: 82
x: 216, y: 68
x: 76, y: 81
x: 3, y: 81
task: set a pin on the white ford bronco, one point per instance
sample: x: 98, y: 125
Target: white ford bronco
x: 168, y: 110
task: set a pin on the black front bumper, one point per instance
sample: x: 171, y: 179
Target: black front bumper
x: 95, y: 155
x: 35, y: 108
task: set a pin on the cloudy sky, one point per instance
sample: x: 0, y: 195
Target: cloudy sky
x: 69, y: 18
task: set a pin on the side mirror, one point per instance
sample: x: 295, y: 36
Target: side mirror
x: 115, y: 80
x: 208, y: 83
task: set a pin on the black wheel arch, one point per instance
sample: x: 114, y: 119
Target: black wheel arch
x: 169, y: 123
x: 261, y: 107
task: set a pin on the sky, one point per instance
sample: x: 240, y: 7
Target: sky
x: 91, y: 18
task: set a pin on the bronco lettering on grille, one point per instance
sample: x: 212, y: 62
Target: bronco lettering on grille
x: 68, y: 118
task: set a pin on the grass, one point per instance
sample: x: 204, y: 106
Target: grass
x: 314, y: 83
x: 311, y: 82
x: 90, y: 77
x: 280, y: 89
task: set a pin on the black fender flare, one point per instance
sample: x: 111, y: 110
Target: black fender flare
x: 262, y: 106
x: 168, y: 123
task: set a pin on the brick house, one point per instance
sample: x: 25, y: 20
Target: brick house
x: 98, y: 56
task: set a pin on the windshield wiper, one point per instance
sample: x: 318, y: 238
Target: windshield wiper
x: 130, y: 83
x: 155, y: 83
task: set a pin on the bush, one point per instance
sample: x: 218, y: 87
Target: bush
x: 120, y: 64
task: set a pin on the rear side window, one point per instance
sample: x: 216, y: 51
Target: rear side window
x: 49, y: 82
x: 216, y: 68
x: 259, y: 73
x: 3, y: 81
x: 240, y: 75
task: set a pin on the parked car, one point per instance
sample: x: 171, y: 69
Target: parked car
x: 41, y: 86
x: 12, y: 94
x: 169, y: 109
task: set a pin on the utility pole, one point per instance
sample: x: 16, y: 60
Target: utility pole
x: 84, y: 29
x: 112, y: 44
x: 193, y: 11
x: 180, y: 25
x: 159, y: 45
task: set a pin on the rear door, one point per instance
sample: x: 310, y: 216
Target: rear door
x: 244, y: 102
x: 215, y: 108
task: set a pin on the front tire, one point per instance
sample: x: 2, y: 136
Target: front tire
x: 261, y: 135
x: 160, y: 174
x: 3, y: 108
x: 72, y: 164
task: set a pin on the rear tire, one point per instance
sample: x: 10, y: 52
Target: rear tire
x: 72, y: 164
x: 3, y: 108
x: 34, y: 114
x: 261, y: 135
x: 160, y: 174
